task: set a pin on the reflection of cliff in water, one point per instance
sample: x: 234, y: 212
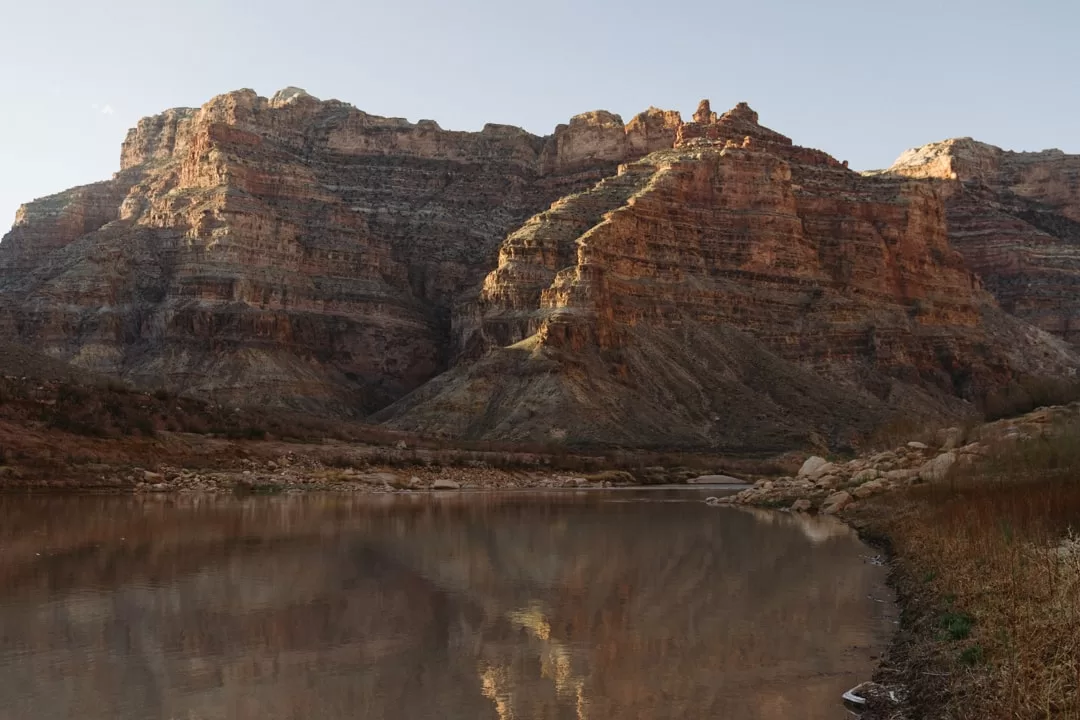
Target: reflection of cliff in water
x: 473, y: 608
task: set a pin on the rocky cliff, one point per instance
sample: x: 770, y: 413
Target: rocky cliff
x: 735, y: 291
x: 289, y: 251
x: 702, y: 283
x: 1015, y: 216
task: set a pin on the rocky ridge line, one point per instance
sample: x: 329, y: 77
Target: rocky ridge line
x: 735, y: 291
x: 288, y: 251
x: 1015, y: 217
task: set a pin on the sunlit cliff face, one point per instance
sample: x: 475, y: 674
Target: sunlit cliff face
x: 726, y: 287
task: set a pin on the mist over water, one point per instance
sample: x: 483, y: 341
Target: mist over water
x: 467, y: 606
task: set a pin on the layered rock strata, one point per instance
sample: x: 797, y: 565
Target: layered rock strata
x: 289, y: 251
x: 1015, y: 216
x: 735, y: 291
x: 691, y: 284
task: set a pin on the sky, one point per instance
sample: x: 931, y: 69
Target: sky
x: 861, y: 79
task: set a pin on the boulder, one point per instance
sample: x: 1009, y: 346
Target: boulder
x: 865, y: 475
x: 828, y: 481
x: 950, y: 438
x: 915, y: 445
x: 870, y: 489
x: 973, y: 449
x: 812, y: 465
x: 801, y: 505
x: 937, y: 468
x: 445, y: 484
x: 836, y: 502
x: 827, y: 469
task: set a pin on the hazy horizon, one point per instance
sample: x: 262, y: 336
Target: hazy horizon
x: 862, y: 83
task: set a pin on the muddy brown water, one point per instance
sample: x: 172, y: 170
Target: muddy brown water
x: 545, y: 606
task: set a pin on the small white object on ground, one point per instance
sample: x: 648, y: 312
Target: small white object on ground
x: 851, y: 697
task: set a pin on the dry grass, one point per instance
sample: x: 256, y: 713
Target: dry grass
x: 991, y: 573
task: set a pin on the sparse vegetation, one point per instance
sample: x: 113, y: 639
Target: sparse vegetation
x: 990, y: 574
x: 957, y: 624
x: 1028, y: 393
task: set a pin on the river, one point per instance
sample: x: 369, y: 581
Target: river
x: 591, y: 605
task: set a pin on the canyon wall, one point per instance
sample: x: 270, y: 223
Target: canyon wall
x: 1015, y: 216
x: 736, y: 291
x: 289, y: 251
x: 706, y: 283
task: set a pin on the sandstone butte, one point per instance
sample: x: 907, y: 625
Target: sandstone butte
x: 1015, y: 217
x: 660, y: 283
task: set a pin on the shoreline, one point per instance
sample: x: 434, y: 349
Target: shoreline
x: 266, y: 467
x: 916, y: 505
x: 444, y: 492
x: 171, y: 484
x: 978, y: 529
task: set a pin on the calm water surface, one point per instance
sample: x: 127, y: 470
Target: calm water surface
x: 569, y: 606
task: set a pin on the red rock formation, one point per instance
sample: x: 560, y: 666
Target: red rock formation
x: 289, y: 250
x: 707, y: 283
x: 735, y: 291
x: 1016, y: 219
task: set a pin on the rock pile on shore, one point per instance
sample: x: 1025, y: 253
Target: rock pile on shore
x: 831, y: 486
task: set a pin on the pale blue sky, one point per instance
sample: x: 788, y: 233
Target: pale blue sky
x: 861, y: 79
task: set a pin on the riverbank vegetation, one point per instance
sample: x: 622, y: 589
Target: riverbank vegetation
x: 988, y: 572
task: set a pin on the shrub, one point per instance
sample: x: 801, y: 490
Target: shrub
x: 1028, y: 393
x: 972, y: 656
x: 957, y: 624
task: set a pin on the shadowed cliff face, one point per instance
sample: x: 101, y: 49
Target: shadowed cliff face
x: 1015, y: 217
x: 498, y: 607
x: 735, y: 291
x: 289, y: 251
